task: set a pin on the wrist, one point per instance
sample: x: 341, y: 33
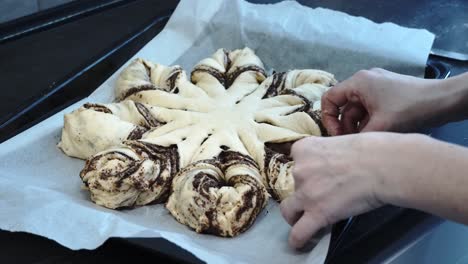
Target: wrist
x: 449, y: 101
x: 397, y: 182
x: 429, y: 176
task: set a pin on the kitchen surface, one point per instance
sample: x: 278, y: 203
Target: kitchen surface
x: 11, y: 9
x: 54, y: 53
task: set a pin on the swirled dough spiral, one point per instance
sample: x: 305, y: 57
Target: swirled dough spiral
x: 137, y: 173
x: 220, y: 196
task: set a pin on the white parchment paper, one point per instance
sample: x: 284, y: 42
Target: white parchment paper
x: 40, y: 188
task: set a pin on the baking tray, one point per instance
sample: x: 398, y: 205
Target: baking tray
x: 371, y: 231
x: 90, y: 67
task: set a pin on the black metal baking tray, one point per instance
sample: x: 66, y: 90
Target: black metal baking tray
x: 376, y: 228
x: 47, y: 71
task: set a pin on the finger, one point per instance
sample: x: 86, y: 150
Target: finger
x: 363, y: 123
x: 331, y: 103
x: 379, y: 70
x: 299, y: 175
x: 298, y: 147
x: 351, y: 115
x: 291, y: 209
x: 337, y: 97
x: 374, y: 124
x: 304, y: 229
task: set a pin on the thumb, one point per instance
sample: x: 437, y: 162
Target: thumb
x: 304, y: 229
x: 375, y: 123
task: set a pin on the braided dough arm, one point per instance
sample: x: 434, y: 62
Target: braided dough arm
x: 142, y: 75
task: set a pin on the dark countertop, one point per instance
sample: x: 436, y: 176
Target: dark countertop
x: 37, y: 63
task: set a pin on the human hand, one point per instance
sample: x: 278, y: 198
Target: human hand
x: 339, y: 177
x: 380, y: 100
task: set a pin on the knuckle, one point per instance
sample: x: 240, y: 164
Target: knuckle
x: 297, y: 148
x: 382, y: 123
x: 297, y: 171
x: 294, y: 150
x: 369, y: 75
x: 325, y: 97
x: 323, y: 217
x: 330, y: 92
x: 377, y: 70
x: 363, y: 74
x: 283, y: 210
x: 296, y: 236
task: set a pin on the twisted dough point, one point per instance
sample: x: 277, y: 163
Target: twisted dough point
x: 222, y: 196
x: 225, y: 69
x: 278, y: 170
x: 143, y: 75
x: 96, y: 127
x: 137, y: 173
x: 310, y: 85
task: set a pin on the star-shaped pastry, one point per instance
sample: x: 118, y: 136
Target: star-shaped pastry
x: 206, y: 145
